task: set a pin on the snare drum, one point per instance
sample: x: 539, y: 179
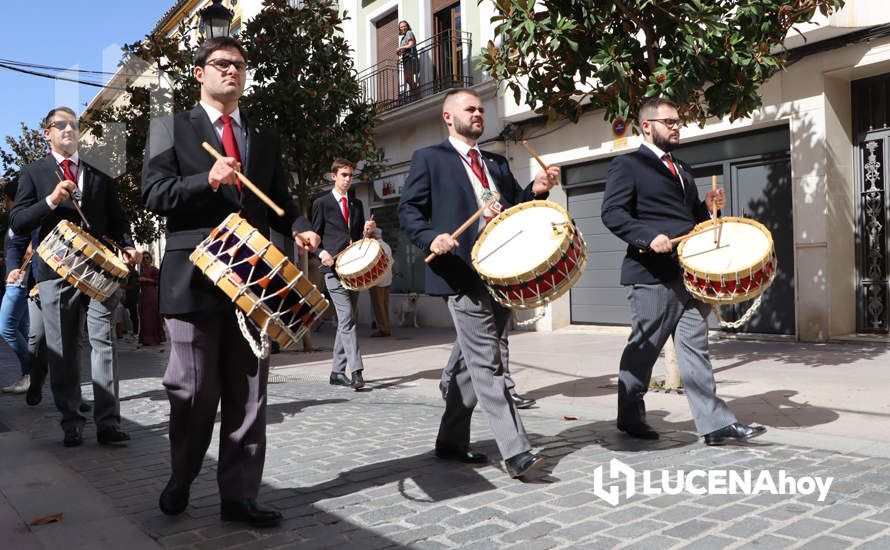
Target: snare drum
x: 362, y: 264
x: 530, y: 254
x: 741, y: 268
x: 260, y: 280
x: 83, y: 261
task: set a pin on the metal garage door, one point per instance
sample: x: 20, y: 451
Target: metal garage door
x: 755, y: 171
x: 597, y: 297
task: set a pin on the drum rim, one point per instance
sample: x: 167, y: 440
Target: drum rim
x: 735, y: 298
x: 558, y: 291
x: 348, y: 278
x: 558, y: 253
x: 353, y: 245
x: 762, y: 261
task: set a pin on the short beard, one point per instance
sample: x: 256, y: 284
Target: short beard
x: 467, y: 130
x: 663, y: 143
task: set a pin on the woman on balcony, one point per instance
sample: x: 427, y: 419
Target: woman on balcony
x: 407, y: 52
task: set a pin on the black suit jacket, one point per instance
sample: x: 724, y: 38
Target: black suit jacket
x: 328, y: 222
x: 99, y: 203
x: 642, y: 200
x: 175, y: 185
x: 437, y: 198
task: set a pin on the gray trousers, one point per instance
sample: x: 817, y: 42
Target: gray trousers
x: 480, y: 322
x: 211, y: 366
x: 659, y: 311
x: 64, y: 308
x: 346, y: 351
x: 36, y: 342
x: 455, y: 359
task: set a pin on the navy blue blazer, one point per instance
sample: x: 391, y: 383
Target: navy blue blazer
x: 328, y: 222
x: 642, y: 200
x: 437, y: 198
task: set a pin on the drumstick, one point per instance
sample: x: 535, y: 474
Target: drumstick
x: 534, y: 153
x: 681, y: 238
x: 714, y: 208
x: 466, y: 224
x: 250, y: 185
x: 76, y: 206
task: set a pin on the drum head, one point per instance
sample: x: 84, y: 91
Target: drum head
x: 742, y: 245
x: 358, y: 257
x: 520, y: 240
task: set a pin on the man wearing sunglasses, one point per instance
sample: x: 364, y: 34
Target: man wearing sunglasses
x: 48, y: 189
x: 650, y: 198
x: 211, y: 364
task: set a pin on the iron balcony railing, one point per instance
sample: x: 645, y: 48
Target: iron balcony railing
x: 442, y: 63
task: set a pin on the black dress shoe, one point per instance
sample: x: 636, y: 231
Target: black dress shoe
x: 737, y: 431
x: 640, y: 430
x: 340, y: 379
x: 523, y: 463
x: 357, y: 381
x: 467, y: 456
x: 521, y: 402
x: 247, y: 511
x: 173, y: 501
x: 443, y: 387
x: 72, y: 438
x: 34, y: 394
x: 112, y: 436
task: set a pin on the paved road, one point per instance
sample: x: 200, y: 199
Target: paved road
x: 355, y: 469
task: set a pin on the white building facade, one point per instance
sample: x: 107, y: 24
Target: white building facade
x: 811, y: 164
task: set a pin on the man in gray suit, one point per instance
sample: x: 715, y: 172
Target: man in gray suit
x: 47, y: 190
x: 211, y: 365
x: 650, y: 198
x: 447, y: 183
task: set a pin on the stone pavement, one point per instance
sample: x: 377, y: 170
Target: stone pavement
x: 355, y: 469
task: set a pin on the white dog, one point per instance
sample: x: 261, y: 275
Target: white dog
x: 407, y: 309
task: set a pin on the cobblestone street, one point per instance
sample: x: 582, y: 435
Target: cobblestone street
x: 355, y: 470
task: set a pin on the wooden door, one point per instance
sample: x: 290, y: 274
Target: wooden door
x: 387, y: 39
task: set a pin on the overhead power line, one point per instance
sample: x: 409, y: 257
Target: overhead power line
x: 58, y: 77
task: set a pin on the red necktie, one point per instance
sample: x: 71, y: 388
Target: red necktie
x: 66, y: 170
x: 345, y: 208
x: 229, y: 143
x: 670, y: 165
x: 476, y: 166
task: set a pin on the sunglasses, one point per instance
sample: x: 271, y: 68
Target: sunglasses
x: 62, y: 124
x: 223, y: 65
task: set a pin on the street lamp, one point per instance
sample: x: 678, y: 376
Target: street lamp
x: 215, y: 20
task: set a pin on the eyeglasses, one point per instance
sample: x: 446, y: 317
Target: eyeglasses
x: 222, y: 65
x: 669, y: 122
x: 61, y: 124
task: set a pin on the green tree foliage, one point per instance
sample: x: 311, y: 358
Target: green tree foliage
x: 19, y: 152
x: 710, y: 56
x: 158, y: 77
x: 304, y: 85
